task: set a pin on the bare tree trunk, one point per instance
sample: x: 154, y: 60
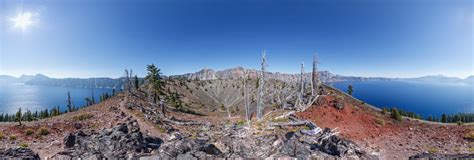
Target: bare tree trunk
x: 302, y: 83
x: 246, y: 101
x: 314, y: 77
x: 261, y: 89
x: 162, y: 106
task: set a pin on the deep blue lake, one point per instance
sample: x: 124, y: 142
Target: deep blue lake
x: 422, y: 98
x: 36, y: 98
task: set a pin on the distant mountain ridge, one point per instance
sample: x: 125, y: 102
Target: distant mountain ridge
x: 210, y: 74
x: 442, y: 79
x: 324, y: 76
x: 238, y: 72
x: 40, y: 79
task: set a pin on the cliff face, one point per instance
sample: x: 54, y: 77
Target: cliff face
x: 204, y: 74
x: 238, y: 73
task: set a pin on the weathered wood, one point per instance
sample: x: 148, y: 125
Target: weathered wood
x: 261, y: 88
x: 183, y: 123
x: 299, y: 123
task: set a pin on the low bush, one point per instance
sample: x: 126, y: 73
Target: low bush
x: 24, y: 145
x: 384, y: 111
x: 240, y: 123
x: 82, y: 117
x: 379, y: 121
x: 43, y: 132
x: 396, y: 115
x: 470, y: 136
x: 160, y: 128
x: 12, y: 138
x: 29, y: 132
x: 2, y: 135
x: 433, y: 150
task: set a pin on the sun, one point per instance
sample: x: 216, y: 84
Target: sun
x: 22, y: 20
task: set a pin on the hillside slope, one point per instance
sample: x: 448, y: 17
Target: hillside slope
x: 150, y: 131
x: 379, y: 132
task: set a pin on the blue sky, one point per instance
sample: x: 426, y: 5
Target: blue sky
x: 85, y: 38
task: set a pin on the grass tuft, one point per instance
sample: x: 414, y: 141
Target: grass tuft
x: 379, y: 121
x: 160, y: 128
x: 24, y: 145
x: 43, y: 131
x: 240, y: 123
x: 433, y: 150
x: 12, y: 138
x: 470, y: 136
x: 29, y: 132
x: 82, y: 117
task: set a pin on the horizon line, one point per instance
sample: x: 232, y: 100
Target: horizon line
x: 390, y: 77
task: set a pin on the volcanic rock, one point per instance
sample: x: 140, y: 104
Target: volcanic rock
x: 122, y: 141
x: 19, y: 153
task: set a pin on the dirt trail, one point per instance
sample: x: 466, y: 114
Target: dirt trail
x: 145, y: 126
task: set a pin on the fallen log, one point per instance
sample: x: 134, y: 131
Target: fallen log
x: 187, y: 123
x: 300, y: 123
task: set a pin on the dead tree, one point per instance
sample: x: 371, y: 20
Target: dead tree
x: 246, y: 99
x: 128, y: 78
x: 304, y: 101
x: 314, y: 77
x: 261, y: 88
x: 299, y: 100
x: 285, y: 93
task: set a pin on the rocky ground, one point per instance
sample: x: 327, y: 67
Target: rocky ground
x: 382, y: 135
x: 129, y: 127
x: 112, y: 130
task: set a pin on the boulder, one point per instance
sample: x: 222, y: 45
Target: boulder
x: 19, y: 153
x: 423, y: 156
x: 123, y: 141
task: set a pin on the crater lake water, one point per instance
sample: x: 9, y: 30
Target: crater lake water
x: 420, y: 97
x: 37, y: 97
x: 423, y: 98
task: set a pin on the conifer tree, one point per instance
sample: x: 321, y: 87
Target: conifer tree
x: 18, y: 116
x: 444, y: 118
x: 350, y: 90
x: 136, y: 82
x: 154, y: 82
x: 396, y: 114
x: 69, y: 102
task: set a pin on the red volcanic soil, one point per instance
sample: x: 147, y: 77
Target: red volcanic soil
x: 355, y: 122
x: 381, y: 134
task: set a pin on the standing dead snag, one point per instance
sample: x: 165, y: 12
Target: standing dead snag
x: 304, y: 101
x: 299, y: 100
x: 246, y: 100
x: 128, y: 78
x: 314, y: 77
x: 261, y: 88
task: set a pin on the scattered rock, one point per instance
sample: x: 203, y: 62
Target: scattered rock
x: 338, y: 147
x: 19, y: 153
x: 78, y: 125
x: 423, y: 156
x: 122, y: 141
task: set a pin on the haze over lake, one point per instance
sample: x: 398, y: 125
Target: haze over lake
x: 419, y: 97
x: 38, y: 97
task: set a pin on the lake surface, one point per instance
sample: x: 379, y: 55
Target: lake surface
x: 36, y: 98
x: 419, y: 97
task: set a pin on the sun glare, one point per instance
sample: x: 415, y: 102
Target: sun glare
x: 22, y: 20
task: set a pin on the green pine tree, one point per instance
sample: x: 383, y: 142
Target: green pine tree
x: 18, y: 116
x: 350, y: 90
x: 154, y: 81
